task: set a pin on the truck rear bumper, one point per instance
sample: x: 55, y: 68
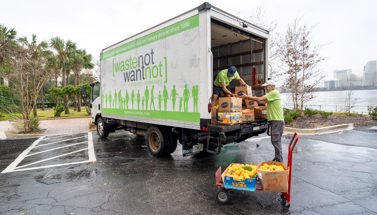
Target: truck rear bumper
x: 239, y: 130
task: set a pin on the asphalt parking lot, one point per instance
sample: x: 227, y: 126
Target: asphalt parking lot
x: 67, y: 174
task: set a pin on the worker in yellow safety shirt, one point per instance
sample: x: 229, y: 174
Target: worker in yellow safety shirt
x: 275, y: 116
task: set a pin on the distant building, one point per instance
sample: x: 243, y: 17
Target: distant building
x: 370, y: 74
x: 343, y: 77
x: 331, y: 84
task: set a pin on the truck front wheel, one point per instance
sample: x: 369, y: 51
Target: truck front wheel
x: 102, y: 131
x: 155, y: 141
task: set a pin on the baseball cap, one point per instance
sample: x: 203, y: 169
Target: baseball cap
x: 268, y: 83
x: 231, y: 71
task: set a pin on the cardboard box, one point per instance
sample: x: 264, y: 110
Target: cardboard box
x: 248, y: 184
x: 230, y: 104
x: 250, y: 103
x: 276, y: 181
x: 260, y: 112
x: 240, y: 90
x: 229, y: 118
x: 248, y: 115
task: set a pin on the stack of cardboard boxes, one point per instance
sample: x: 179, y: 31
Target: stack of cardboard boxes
x: 231, y: 111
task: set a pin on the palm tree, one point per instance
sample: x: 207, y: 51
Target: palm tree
x: 8, y: 45
x: 80, y: 60
x: 63, y: 51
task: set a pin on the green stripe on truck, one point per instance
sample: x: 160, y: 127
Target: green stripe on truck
x: 163, y: 33
x: 163, y: 115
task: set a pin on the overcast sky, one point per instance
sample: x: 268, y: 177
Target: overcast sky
x: 347, y: 29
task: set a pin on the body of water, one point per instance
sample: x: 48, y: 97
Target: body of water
x: 335, y: 101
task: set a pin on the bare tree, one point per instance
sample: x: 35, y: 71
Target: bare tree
x: 29, y: 74
x: 350, y: 101
x: 301, y: 60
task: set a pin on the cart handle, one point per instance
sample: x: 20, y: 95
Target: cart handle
x: 291, y: 147
x: 218, y: 177
x: 293, y: 142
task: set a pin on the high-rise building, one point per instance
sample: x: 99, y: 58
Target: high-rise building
x: 370, y: 74
x: 331, y: 84
x: 343, y: 77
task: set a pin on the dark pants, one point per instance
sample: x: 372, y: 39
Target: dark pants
x: 219, y: 91
x: 277, y: 128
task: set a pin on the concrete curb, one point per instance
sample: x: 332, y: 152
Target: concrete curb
x: 317, y: 131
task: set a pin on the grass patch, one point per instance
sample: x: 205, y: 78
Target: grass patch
x: 10, y: 116
x: 47, y: 114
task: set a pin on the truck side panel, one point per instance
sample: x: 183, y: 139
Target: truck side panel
x: 155, y: 78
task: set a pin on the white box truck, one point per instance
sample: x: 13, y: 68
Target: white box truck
x: 158, y: 83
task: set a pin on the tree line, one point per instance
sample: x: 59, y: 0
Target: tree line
x: 29, y: 64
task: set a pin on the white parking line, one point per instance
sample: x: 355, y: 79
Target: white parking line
x: 62, y: 147
x: 50, y: 166
x: 14, y: 164
x: 92, y: 155
x: 46, y: 144
x: 14, y: 168
x: 47, y: 159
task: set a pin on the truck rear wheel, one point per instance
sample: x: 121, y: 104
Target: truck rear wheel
x: 171, y: 141
x: 155, y: 141
x: 102, y: 131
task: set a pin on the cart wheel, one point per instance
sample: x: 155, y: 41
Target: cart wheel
x: 284, y: 202
x: 223, y: 196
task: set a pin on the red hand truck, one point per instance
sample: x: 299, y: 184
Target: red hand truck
x: 223, y: 195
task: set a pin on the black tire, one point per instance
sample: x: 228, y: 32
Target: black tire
x: 155, y: 141
x: 284, y: 202
x: 102, y: 129
x: 171, y: 141
x: 222, y: 196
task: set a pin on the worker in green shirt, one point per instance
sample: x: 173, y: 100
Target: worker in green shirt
x: 220, y: 86
x: 275, y: 116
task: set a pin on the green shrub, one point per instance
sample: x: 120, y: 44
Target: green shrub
x: 325, y: 114
x: 8, y: 100
x: 288, y: 119
x: 373, y: 112
x: 59, y: 108
x: 290, y: 115
x: 310, y: 112
x: 34, y: 123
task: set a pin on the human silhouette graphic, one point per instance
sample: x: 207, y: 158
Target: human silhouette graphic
x: 173, y: 96
x: 159, y: 100
x: 195, y: 97
x: 186, y: 98
x: 146, y: 97
x: 138, y: 99
x: 132, y: 99
x: 120, y: 100
x: 152, y: 99
x: 127, y: 99
x: 165, y: 96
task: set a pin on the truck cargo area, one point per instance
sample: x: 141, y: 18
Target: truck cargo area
x: 158, y: 83
x: 233, y: 46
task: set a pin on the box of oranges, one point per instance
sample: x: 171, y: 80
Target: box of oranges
x: 240, y: 177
